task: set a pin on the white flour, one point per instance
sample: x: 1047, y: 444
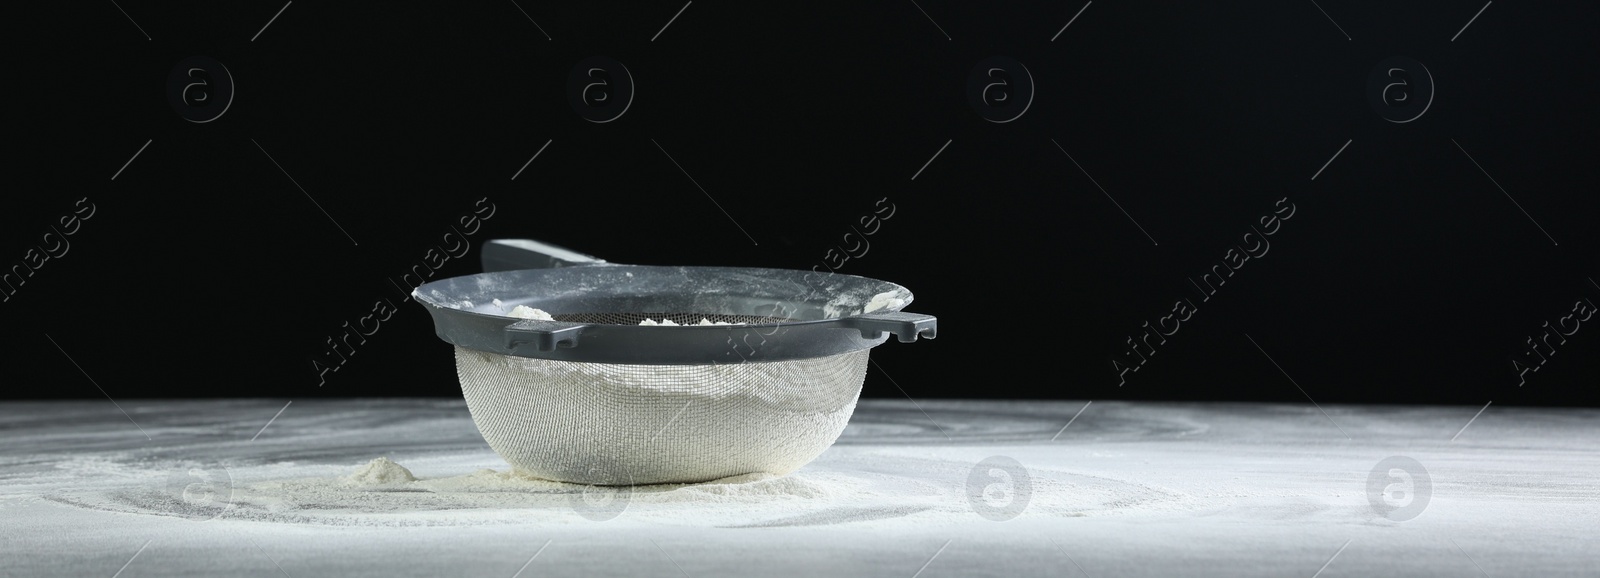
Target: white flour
x: 388, y: 495
x: 846, y: 304
x: 884, y: 300
x: 1137, y: 489
x: 380, y: 472
x: 610, y: 423
x: 384, y: 493
x: 866, y: 485
x: 703, y: 321
x: 526, y: 312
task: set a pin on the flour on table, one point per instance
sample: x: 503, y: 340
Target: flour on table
x: 379, y: 472
x: 384, y: 493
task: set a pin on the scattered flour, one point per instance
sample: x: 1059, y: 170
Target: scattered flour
x: 747, y: 485
x: 885, y: 300
x: 872, y: 486
x: 703, y: 321
x: 379, y: 472
x: 526, y: 312
x: 847, y: 304
x: 383, y: 493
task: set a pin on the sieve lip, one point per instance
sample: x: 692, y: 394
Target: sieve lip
x: 829, y: 319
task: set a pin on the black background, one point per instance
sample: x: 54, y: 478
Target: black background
x: 1405, y: 275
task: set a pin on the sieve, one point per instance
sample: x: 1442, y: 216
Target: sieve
x: 759, y: 374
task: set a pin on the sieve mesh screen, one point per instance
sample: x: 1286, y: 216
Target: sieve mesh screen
x: 610, y: 424
x: 630, y: 318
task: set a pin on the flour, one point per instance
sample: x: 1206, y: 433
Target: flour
x: 846, y: 304
x: 885, y: 300
x: 80, y: 494
x: 703, y: 321
x: 891, y: 474
x: 526, y: 312
x: 380, y: 472
x: 613, y: 424
x: 489, y: 480
x: 922, y: 490
x: 384, y: 493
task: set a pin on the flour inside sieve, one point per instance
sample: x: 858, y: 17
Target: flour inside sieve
x: 602, y: 423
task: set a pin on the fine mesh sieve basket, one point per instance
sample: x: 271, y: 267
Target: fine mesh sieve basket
x: 744, y: 370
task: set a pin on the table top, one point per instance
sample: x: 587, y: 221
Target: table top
x: 929, y: 488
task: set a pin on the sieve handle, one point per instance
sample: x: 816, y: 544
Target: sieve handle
x: 905, y: 326
x: 544, y: 335
x: 516, y: 254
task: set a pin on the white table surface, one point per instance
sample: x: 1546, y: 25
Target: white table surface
x: 1126, y: 490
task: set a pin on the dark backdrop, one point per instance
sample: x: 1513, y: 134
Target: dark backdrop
x: 1417, y: 262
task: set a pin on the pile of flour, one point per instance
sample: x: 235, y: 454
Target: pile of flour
x: 379, y: 472
x: 886, y: 300
x: 526, y: 312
